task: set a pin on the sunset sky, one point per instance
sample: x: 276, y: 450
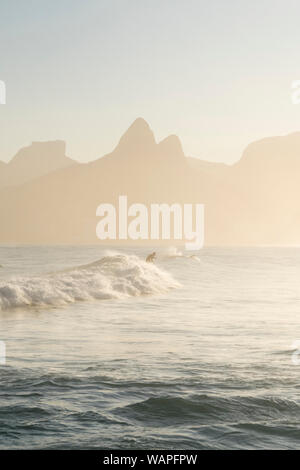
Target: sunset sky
x: 218, y: 74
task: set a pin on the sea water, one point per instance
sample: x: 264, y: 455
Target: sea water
x: 106, y: 351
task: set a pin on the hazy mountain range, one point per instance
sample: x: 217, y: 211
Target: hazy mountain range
x: 31, y: 162
x: 46, y: 197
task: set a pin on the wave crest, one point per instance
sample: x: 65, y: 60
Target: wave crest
x: 112, y: 277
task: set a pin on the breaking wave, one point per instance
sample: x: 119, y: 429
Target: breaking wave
x: 112, y: 277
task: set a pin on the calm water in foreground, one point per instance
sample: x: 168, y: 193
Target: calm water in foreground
x: 106, y: 351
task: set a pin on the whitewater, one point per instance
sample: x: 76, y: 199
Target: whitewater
x: 114, y: 276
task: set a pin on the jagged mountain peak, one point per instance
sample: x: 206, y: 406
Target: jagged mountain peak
x: 171, y: 145
x: 137, y: 137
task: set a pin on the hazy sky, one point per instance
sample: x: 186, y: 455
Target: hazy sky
x: 216, y: 73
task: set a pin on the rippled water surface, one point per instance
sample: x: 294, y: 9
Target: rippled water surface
x: 105, y: 351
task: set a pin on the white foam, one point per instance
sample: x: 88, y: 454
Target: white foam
x: 112, y: 277
x: 173, y: 252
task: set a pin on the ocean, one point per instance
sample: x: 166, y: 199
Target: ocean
x: 105, y: 351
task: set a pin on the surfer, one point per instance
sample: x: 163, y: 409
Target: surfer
x: 150, y: 258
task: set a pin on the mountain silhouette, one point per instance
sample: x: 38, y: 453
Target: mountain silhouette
x: 34, y: 161
x: 138, y: 138
x: 253, y: 202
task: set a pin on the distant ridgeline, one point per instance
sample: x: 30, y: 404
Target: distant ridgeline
x: 38, y: 159
x: 45, y: 197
